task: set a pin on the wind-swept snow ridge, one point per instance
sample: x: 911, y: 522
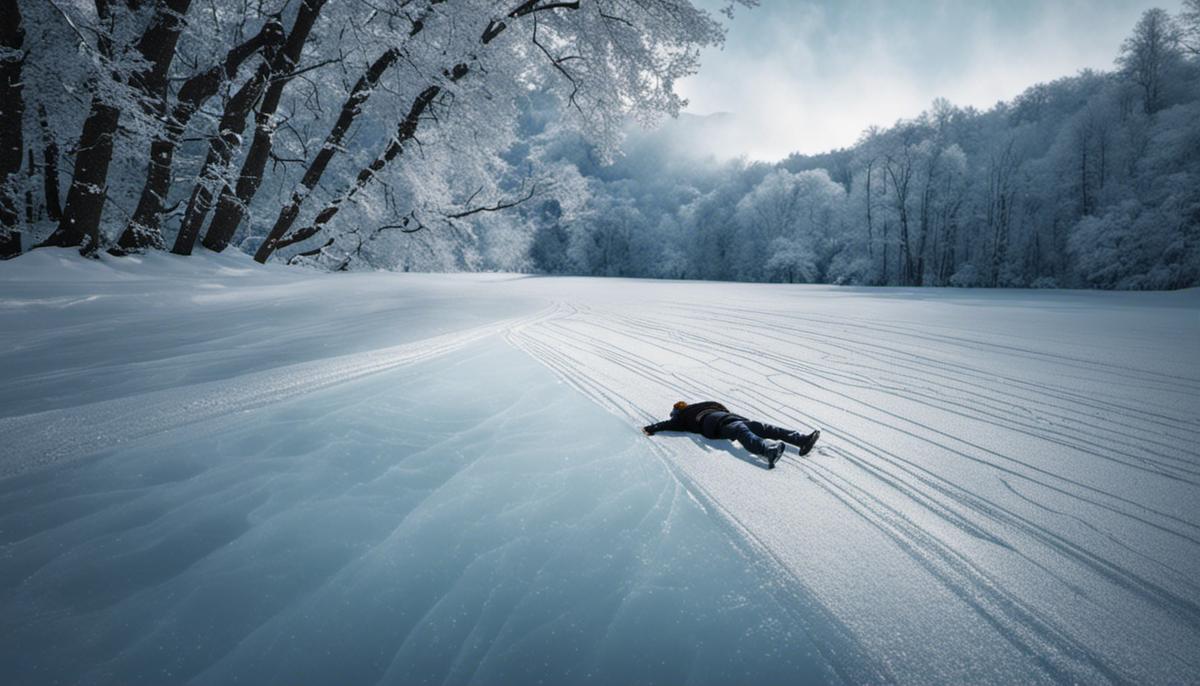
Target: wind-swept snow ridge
x: 43, y: 438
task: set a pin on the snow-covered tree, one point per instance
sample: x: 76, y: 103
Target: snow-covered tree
x: 274, y: 124
x: 1149, y: 54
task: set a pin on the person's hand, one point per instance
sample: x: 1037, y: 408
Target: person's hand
x: 647, y: 431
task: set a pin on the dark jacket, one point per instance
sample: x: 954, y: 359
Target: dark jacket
x: 703, y: 418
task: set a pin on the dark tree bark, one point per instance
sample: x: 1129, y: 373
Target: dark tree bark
x: 85, y: 198
x: 12, y: 110
x: 901, y: 174
x: 925, y: 224
x: 233, y: 123
x: 870, y: 226
x: 220, y: 149
x: 407, y: 129
x: 144, y: 229
x: 405, y: 133
x: 231, y: 204
x: 50, y: 167
x: 1001, y: 196
x: 10, y: 244
x: 230, y: 210
x: 157, y: 46
x: 30, y: 175
x: 886, y: 262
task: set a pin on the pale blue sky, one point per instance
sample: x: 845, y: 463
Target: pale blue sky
x: 810, y: 76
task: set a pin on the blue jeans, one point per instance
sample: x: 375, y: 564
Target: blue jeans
x: 751, y: 434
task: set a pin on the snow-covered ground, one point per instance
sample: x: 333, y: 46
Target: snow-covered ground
x: 215, y: 470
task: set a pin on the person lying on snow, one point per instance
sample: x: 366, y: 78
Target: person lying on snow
x: 714, y: 420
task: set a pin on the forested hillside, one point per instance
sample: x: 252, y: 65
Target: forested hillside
x: 1091, y: 180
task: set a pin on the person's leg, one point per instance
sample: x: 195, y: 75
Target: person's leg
x: 769, y: 431
x: 739, y: 431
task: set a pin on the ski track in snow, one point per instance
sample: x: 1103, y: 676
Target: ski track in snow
x: 1005, y: 490
x: 1033, y: 559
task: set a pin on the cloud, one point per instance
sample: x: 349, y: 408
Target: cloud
x: 811, y: 76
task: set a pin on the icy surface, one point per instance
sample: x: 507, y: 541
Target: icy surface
x: 218, y: 470
x: 74, y: 332
x: 425, y: 526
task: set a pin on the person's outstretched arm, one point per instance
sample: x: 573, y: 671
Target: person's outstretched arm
x: 666, y: 425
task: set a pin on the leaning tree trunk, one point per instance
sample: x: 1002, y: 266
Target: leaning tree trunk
x: 230, y: 211
x: 220, y: 150
x: 230, y: 205
x: 279, y: 236
x: 144, y: 229
x: 12, y: 110
x: 407, y: 129
x: 85, y: 198
x: 233, y: 123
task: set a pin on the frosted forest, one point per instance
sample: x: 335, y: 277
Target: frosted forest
x: 405, y: 137
x: 599, y: 342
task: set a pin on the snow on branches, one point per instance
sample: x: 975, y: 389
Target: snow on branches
x: 270, y: 125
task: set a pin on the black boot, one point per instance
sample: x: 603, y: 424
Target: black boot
x: 774, y: 452
x: 810, y: 441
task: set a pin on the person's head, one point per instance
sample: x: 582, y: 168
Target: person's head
x: 679, y: 405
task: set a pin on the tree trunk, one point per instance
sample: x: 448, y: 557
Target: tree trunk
x: 885, y: 254
x: 157, y: 46
x: 900, y: 172
x: 220, y: 149
x: 405, y: 132
x: 229, y: 212
x: 12, y: 111
x: 231, y: 209
x: 30, y: 182
x: 144, y: 229
x: 50, y: 167
x: 924, y: 225
x: 905, y: 248
x: 1084, y: 206
x: 231, y: 206
x: 870, y: 228
x: 233, y: 123
x: 85, y: 198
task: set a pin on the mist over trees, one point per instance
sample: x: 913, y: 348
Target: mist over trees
x: 466, y: 135
x: 1091, y: 180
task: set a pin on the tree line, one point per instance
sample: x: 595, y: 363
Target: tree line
x: 1088, y: 181
x: 461, y: 135
x: 135, y: 125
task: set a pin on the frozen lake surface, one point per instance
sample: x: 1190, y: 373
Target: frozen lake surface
x: 216, y: 472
